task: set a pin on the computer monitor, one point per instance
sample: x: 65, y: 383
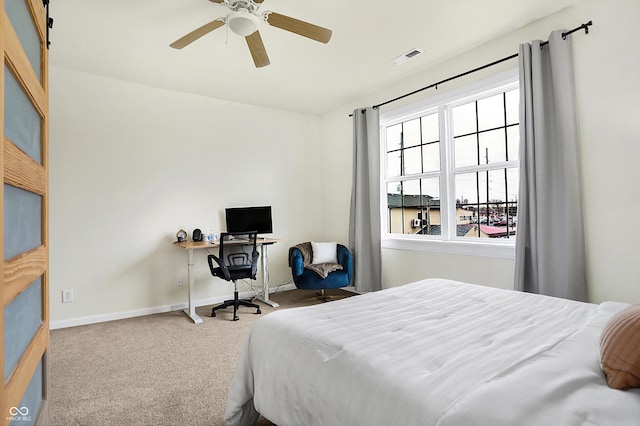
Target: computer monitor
x: 245, y: 219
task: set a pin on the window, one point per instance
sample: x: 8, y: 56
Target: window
x: 450, y: 168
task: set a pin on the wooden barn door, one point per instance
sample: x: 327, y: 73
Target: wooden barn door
x: 24, y: 298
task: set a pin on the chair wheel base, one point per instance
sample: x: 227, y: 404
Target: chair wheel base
x: 236, y: 303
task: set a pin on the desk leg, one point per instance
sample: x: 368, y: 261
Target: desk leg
x: 191, y: 311
x: 264, y: 263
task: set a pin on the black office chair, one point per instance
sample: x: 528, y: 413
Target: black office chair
x: 237, y: 266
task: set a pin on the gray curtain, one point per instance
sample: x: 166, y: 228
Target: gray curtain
x: 550, y: 247
x: 364, y: 221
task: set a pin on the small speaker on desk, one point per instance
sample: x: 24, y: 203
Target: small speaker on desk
x: 197, y: 235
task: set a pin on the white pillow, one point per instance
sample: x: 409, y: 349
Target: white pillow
x: 324, y: 252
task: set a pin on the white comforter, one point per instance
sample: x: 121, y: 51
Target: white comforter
x: 435, y: 352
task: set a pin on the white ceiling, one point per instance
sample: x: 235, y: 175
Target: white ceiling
x: 129, y: 40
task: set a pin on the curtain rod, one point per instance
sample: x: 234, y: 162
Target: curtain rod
x: 584, y: 27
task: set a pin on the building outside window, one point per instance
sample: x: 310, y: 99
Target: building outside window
x: 450, y: 168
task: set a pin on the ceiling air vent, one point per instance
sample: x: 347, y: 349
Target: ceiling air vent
x: 406, y: 56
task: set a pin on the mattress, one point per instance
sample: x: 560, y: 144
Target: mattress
x: 434, y: 352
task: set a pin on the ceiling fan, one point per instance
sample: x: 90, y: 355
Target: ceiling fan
x: 244, y: 20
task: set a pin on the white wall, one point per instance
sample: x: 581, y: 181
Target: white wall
x: 608, y: 87
x: 131, y: 164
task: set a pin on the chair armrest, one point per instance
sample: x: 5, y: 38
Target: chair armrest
x: 297, y: 264
x: 346, y: 260
x: 221, y: 266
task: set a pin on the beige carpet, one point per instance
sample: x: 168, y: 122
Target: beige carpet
x: 153, y: 370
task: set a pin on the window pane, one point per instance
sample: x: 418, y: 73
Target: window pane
x: 431, y: 157
x: 394, y: 207
x: 492, y: 147
x: 464, y: 119
x: 492, y: 203
x: 513, y: 182
x: 491, y: 112
x: 394, y: 134
x: 431, y: 189
x: 412, y: 161
x: 470, y: 190
x: 430, y: 129
x: 502, y: 203
x: 394, y: 189
x: 466, y: 151
x: 466, y: 188
x: 482, y: 190
x: 497, y: 186
x: 411, y: 133
x: 414, y: 206
x: 411, y: 190
x: 513, y: 106
x: 429, y: 214
x: 513, y: 142
x: 393, y: 164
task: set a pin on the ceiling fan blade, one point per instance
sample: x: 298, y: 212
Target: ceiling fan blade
x: 258, y: 52
x: 299, y: 27
x: 197, y: 33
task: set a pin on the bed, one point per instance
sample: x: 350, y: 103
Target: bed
x: 434, y: 352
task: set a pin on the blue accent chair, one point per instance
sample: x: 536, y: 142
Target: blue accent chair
x: 306, y: 279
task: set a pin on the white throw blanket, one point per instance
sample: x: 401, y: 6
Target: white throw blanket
x: 429, y: 353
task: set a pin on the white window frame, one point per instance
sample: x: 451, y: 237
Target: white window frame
x: 448, y: 242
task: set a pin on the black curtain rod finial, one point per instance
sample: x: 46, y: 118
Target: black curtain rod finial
x: 584, y: 27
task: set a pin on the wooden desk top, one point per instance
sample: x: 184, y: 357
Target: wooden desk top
x: 188, y: 245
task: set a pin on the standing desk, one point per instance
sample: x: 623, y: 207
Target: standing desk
x: 190, y: 246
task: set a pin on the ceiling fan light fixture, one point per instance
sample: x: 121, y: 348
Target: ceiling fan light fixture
x: 242, y: 23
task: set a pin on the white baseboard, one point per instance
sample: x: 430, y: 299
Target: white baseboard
x: 94, y: 319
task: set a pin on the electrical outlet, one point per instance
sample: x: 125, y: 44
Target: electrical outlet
x: 179, y: 281
x: 67, y: 296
